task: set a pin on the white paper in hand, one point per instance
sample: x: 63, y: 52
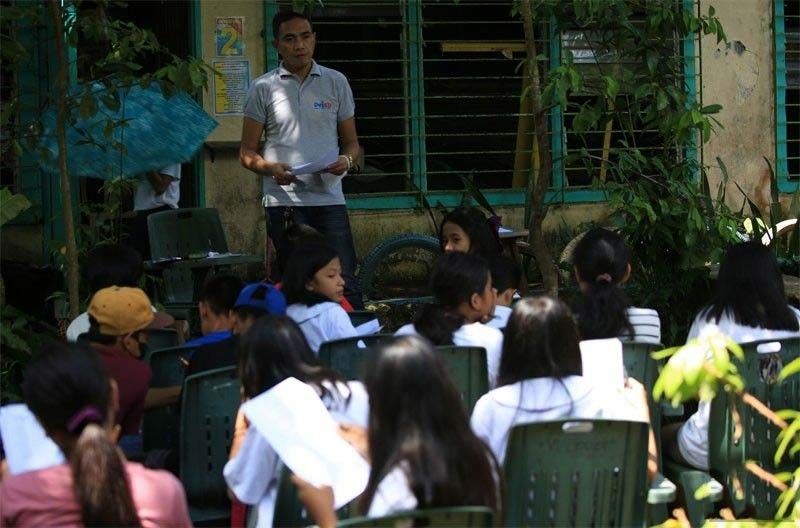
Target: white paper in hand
x: 27, y: 447
x: 317, y: 165
x: 602, y: 362
x: 372, y: 326
x: 294, y: 421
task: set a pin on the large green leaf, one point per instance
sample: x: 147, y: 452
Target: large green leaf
x: 11, y: 205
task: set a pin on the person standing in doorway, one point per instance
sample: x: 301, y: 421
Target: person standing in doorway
x: 306, y: 111
x: 156, y: 191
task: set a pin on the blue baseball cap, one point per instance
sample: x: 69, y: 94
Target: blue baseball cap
x: 262, y: 296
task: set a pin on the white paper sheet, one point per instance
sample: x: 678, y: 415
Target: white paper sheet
x: 602, y: 362
x: 372, y: 326
x: 317, y: 165
x: 27, y: 447
x: 293, y: 420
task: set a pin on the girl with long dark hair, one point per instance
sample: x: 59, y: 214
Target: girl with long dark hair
x: 420, y: 446
x: 70, y: 393
x: 466, y: 230
x: 272, y: 350
x: 540, y: 378
x: 602, y: 264
x: 463, y: 299
x: 749, y: 304
x: 314, y: 287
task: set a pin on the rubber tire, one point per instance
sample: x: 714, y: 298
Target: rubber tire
x: 375, y: 258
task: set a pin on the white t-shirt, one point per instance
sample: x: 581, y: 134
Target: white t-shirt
x: 321, y: 322
x: 693, y: 435
x: 392, y: 495
x: 500, y: 318
x: 646, y: 325
x: 473, y: 335
x: 145, y: 198
x: 252, y: 475
x: 545, y: 399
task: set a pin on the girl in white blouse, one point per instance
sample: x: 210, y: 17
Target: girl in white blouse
x: 420, y: 445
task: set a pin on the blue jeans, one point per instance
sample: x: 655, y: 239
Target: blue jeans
x: 331, y: 221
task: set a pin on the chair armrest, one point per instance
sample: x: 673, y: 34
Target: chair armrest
x: 668, y: 410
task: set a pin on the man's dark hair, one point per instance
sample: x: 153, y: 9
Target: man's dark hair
x: 506, y: 273
x: 113, y: 265
x: 285, y: 16
x: 220, y: 293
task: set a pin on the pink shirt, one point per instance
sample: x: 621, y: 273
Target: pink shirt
x: 46, y: 498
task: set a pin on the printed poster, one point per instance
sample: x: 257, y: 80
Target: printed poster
x: 230, y: 86
x: 229, y: 36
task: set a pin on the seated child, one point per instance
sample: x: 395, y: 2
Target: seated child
x: 272, y: 350
x: 749, y: 304
x: 467, y: 230
x: 540, y: 379
x: 73, y: 397
x: 463, y: 298
x: 422, y: 451
x: 216, y: 301
x: 313, y: 286
x: 602, y: 264
x: 506, y: 277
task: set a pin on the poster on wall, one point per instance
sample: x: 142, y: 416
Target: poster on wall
x: 230, y: 86
x: 229, y: 36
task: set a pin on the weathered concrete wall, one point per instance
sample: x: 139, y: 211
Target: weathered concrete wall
x: 740, y: 77
x: 230, y: 188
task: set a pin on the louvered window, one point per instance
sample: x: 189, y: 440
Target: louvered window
x: 787, y: 92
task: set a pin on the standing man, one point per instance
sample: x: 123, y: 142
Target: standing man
x: 306, y: 111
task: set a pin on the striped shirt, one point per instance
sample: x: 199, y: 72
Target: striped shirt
x: 646, y: 325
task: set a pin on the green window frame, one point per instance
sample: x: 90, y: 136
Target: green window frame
x: 559, y: 193
x: 786, y: 130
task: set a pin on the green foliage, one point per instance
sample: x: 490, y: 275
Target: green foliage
x: 11, y: 205
x: 704, y: 367
x: 20, y: 336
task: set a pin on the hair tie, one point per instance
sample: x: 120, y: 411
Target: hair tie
x: 89, y: 413
x: 603, y: 277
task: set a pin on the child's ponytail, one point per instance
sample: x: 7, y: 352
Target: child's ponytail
x: 69, y: 391
x: 437, y: 324
x: 99, y: 480
x: 601, y: 262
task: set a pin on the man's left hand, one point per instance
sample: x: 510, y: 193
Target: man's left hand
x: 339, y: 166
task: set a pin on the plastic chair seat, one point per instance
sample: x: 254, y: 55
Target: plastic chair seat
x: 346, y: 357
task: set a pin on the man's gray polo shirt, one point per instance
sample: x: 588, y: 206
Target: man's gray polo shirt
x: 301, y: 123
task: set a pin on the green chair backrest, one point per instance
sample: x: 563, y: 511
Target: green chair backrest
x: 638, y: 363
x: 576, y: 473
x: 161, y: 426
x: 159, y: 338
x: 346, y: 357
x: 183, y: 232
x: 166, y: 365
x: 728, y: 452
x: 358, y: 317
x: 468, y: 368
x: 290, y: 510
x: 457, y: 516
x: 208, y: 413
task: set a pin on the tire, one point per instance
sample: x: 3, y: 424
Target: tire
x: 411, y: 254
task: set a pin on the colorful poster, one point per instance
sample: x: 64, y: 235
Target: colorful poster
x: 229, y: 36
x: 230, y: 86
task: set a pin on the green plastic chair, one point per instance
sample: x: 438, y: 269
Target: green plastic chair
x: 161, y: 426
x: 467, y: 367
x: 346, y: 357
x: 290, y: 510
x: 458, y: 516
x: 727, y: 454
x: 159, y: 338
x: 210, y: 402
x: 576, y: 473
x: 358, y: 317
